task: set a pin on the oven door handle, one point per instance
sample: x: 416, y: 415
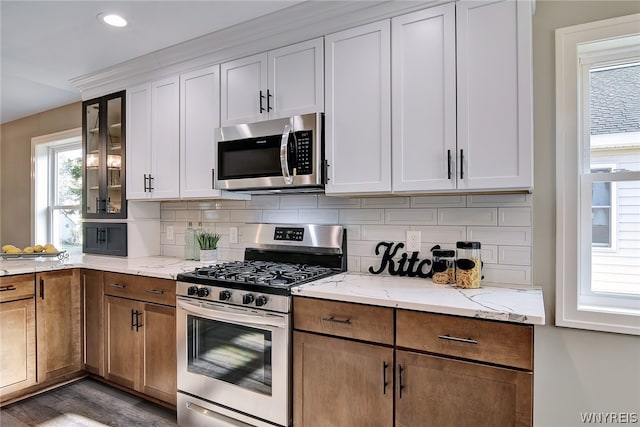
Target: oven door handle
x: 228, y: 316
x: 284, y: 161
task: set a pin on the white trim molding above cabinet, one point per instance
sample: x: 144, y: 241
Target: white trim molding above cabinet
x: 279, y: 83
x: 460, y: 105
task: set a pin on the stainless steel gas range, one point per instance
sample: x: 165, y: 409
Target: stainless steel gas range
x: 234, y: 326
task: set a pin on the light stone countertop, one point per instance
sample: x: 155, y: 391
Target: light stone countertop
x: 512, y: 304
x: 156, y: 266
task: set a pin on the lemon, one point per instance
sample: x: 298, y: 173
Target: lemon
x: 6, y: 248
x: 28, y: 250
x: 38, y: 248
x: 50, y: 249
x: 14, y: 250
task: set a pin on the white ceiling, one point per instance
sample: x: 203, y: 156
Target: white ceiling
x: 44, y: 44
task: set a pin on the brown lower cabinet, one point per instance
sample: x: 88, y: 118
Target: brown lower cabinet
x: 58, y: 324
x: 92, y: 283
x: 17, y: 333
x: 139, y: 336
x: 440, y: 370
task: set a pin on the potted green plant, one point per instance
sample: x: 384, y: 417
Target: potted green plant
x: 208, y: 243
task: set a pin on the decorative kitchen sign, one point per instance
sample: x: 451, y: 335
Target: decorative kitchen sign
x: 406, y: 266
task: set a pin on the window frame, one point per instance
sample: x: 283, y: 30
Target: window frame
x: 576, y: 48
x: 42, y: 185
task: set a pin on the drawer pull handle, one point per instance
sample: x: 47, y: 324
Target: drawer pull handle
x: 465, y: 340
x: 400, y: 381
x: 117, y: 285
x: 385, y: 383
x: 334, y: 320
x: 155, y: 291
x: 8, y: 288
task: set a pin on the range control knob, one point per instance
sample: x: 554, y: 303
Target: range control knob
x: 247, y: 299
x: 261, y: 300
x: 224, y: 295
x: 203, y: 292
x: 192, y: 290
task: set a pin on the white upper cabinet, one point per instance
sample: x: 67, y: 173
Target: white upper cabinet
x: 495, y: 140
x: 154, y: 149
x: 279, y: 83
x: 423, y: 66
x: 199, y: 116
x: 358, y: 115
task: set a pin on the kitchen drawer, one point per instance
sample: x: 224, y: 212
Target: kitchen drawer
x: 486, y: 341
x: 343, y: 319
x: 149, y: 289
x: 17, y: 287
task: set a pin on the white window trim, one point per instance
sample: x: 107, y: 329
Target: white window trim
x: 40, y: 162
x: 569, y: 126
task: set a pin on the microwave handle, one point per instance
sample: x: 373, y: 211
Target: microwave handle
x: 284, y: 163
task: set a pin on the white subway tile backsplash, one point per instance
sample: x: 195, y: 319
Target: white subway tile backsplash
x: 299, y: 201
x: 386, y: 202
x: 361, y: 216
x: 280, y: 216
x: 514, y: 217
x: 216, y: 215
x: 514, y: 255
x: 337, y: 202
x: 489, y: 254
x: 439, y: 202
x: 442, y: 234
x: 494, y: 200
x: 498, y: 273
x: 467, y: 216
x: 502, y: 223
x: 263, y: 202
x: 245, y: 215
x: 387, y: 233
x: 411, y: 216
x: 500, y: 235
x: 318, y: 216
x: 185, y: 215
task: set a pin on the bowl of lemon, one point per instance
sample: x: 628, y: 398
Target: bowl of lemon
x: 14, y: 252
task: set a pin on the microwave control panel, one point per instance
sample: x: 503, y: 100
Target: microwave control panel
x: 304, y: 151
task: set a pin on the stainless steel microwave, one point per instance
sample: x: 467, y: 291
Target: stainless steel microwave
x: 281, y: 155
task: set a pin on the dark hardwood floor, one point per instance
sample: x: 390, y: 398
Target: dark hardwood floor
x: 86, y: 403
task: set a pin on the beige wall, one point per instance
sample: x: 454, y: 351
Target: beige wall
x: 576, y: 370
x: 15, y: 167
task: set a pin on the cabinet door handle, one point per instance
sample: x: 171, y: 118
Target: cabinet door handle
x: 41, y: 288
x: 334, y: 320
x: 400, y: 381
x: 325, y: 171
x: 385, y: 365
x: 145, y: 182
x: 268, y: 102
x: 97, y: 205
x: 458, y: 339
x: 461, y: 163
x: 138, y: 325
x: 117, y: 285
x: 260, y: 99
x: 155, y: 291
x: 133, y: 323
x: 7, y: 288
x: 448, y: 164
x: 151, y: 183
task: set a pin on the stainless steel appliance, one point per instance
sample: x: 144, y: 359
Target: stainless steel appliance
x: 272, y: 156
x: 234, y: 326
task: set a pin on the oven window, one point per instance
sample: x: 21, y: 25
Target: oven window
x: 232, y: 353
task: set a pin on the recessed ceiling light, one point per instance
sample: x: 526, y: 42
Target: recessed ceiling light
x: 112, y: 19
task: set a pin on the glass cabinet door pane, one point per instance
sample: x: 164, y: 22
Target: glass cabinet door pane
x: 92, y: 157
x: 114, y: 155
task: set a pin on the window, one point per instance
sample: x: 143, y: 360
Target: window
x: 598, y: 175
x: 57, y: 189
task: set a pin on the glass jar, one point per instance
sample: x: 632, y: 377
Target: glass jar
x: 444, y: 266
x: 468, y: 265
x: 189, y: 242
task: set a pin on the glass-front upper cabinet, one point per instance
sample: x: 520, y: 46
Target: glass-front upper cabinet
x: 103, y: 128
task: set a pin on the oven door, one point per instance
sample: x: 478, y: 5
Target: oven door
x: 235, y: 357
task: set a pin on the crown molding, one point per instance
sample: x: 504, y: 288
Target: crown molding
x: 303, y: 21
